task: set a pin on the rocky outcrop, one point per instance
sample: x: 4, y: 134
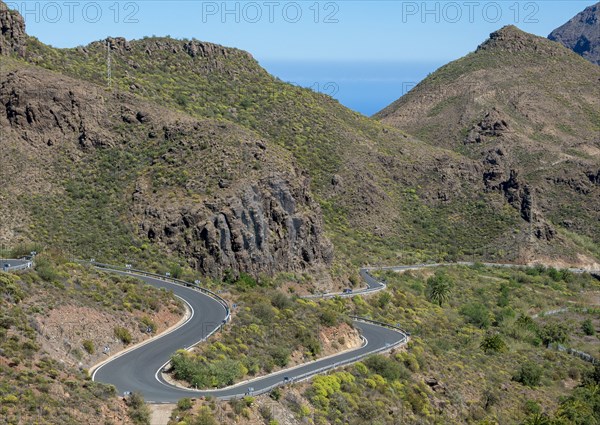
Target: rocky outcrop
x: 518, y: 195
x: 244, y: 206
x: 204, y: 57
x: 492, y: 125
x: 12, y: 32
x: 196, y: 48
x: 510, y: 39
x: 594, y: 177
x: 118, y: 44
x: 264, y: 227
x: 582, y: 34
x: 45, y: 113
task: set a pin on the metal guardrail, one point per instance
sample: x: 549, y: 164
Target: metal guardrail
x: 175, y: 281
x: 374, y: 285
x: 472, y: 263
x: 381, y: 285
x: 378, y: 323
x: 345, y: 362
x: 27, y: 265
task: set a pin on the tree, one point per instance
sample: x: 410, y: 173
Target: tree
x: 439, y: 288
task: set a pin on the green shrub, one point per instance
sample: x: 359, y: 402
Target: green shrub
x: 176, y: 271
x: 588, y: 327
x: 386, y: 367
x: 205, y: 417
x: 138, y: 411
x: 123, y: 335
x: 184, y: 404
x: 147, y: 323
x: 477, y: 314
x: 275, y: 394
x: 280, y: 301
x: 88, y: 345
x: 554, y: 332
x: 45, y: 270
x: 280, y: 355
x: 529, y: 374
x: 503, y: 299
x: 329, y: 317
x: 245, y: 282
x: 493, y: 344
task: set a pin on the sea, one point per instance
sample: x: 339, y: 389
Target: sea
x: 365, y: 87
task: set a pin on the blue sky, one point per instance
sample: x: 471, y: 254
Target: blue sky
x: 284, y: 34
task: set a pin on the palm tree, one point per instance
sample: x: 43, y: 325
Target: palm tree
x: 439, y: 288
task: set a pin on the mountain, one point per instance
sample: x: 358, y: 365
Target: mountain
x: 526, y: 110
x: 194, y: 154
x: 90, y: 167
x: 582, y: 34
x: 192, y: 159
x: 115, y: 168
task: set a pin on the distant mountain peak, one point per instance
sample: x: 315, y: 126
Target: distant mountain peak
x: 581, y: 34
x: 512, y: 39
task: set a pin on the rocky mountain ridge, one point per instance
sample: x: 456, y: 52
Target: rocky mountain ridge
x: 207, y: 176
x: 503, y: 105
x: 581, y: 34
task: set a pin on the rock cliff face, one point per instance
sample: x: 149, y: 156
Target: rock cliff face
x: 582, y: 34
x: 12, y: 32
x: 263, y: 227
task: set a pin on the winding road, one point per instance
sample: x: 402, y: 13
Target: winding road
x: 139, y: 370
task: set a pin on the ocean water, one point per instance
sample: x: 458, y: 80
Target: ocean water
x: 366, y: 87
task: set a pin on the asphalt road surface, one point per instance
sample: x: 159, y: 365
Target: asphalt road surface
x: 13, y: 263
x: 139, y: 370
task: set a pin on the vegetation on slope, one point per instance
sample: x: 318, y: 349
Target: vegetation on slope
x: 376, y: 185
x: 269, y: 331
x: 482, y: 357
x: 39, y: 378
x: 125, y: 179
x: 527, y: 109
